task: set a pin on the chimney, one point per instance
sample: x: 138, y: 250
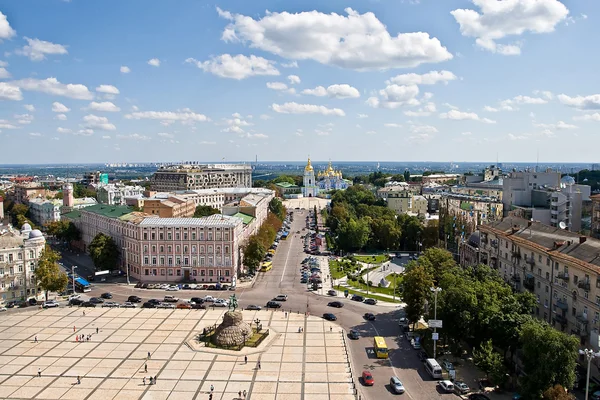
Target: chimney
x: 582, y: 239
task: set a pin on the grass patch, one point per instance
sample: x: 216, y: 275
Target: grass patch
x: 251, y: 341
x: 373, y: 259
x: 375, y: 289
x: 340, y: 268
x: 374, y: 296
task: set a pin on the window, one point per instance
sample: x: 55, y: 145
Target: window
x: 547, y: 288
x: 548, y: 276
x: 210, y: 272
x: 185, y: 249
x: 31, y: 254
x: 10, y: 258
x: 218, y: 236
x: 575, y: 278
x: 210, y: 236
x: 170, y: 249
x: 162, y: 249
x: 146, y: 249
x: 162, y: 271
x: 153, y: 236
x: 169, y: 236
x: 153, y: 260
x: 146, y: 261
x: 226, y: 272
x: 170, y: 261
x: 146, y: 271
x: 170, y: 272
x: 539, y: 271
x: 176, y: 235
x: 226, y: 236
x: 162, y: 261
x: 1, y: 257
x: 201, y: 235
x: 574, y: 311
x: 161, y: 236
x: 586, y: 295
x: 178, y: 272
x: 598, y: 300
x: 154, y: 249
x: 202, y: 272
x: 145, y: 236
x: 177, y: 248
x: 193, y: 235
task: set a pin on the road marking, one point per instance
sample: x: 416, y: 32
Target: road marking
x: 286, y: 258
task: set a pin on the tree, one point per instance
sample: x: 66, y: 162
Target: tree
x: 17, y: 214
x: 63, y: 230
x: 277, y: 208
x: 80, y: 191
x: 556, y: 392
x: 205, y: 211
x: 406, y: 175
x: 48, y: 273
x: 284, y: 178
x: 104, y: 252
x: 253, y: 253
x: 353, y: 235
x: 549, y: 358
x: 437, y: 261
x: 417, y: 285
x: 59, y: 195
x: 490, y: 362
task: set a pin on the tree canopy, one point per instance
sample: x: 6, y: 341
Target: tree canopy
x: 205, y: 211
x: 277, y: 208
x: 63, y: 230
x: 104, y: 252
x: 48, y: 274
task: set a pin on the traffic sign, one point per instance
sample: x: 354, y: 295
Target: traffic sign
x: 435, y: 336
x: 435, y: 323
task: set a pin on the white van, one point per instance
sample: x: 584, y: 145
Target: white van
x: 433, y: 368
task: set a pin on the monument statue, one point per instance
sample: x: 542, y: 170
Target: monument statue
x: 233, y: 302
x: 233, y: 331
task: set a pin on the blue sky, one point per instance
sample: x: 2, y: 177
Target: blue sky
x: 386, y: 80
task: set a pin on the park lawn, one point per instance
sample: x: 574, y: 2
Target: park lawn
x: 374, y: 259
x: 338, y: 268
x: 375, y: 289
x: 378, y: 298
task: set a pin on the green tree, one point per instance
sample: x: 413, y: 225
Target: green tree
x: 490, y: 362
x: 417, y: 290
x: 437, y: 261
x: 284, y: 178
x: 406, y: 175
x: 80, y: 191
x: 59, y: 195
x: 254, y: 253
x: 17, y: 214
x: 63, y: 230
x: 48, y: 273
x: 104, y: 252
x: 277, y: 208
x: 205, y: 211
x: 353, y: 235
x: 549, y: 358
x: 386, y: 233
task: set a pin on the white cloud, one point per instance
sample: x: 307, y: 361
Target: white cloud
x: 425, y: 111
x: 342, y: 91
x: 166, y: 135
x: 466, y: 133
x: 4, y: 74
x: 235, y: 124
x: 4, y: 124
x: 546, y: 93
x: 394, y: 96
x: 277, y: 85
x: 10, y: 92
x: 24, y: 119
x: 37, y: 49
x: 499, y: 19
x: 299, y: 132
x: 155, y: 62
x: 362, y: 116
x: 3, y: 63
x: 133, y: 136
x: 35, y: 134
x: 106, y: 137
x: 184, y: 116
x: 6, y: 32
x: 61, y: 117
x: 490, y: 109
x: 84, y: 132
x: 265, y: 117
x: 560, y: 125
x: 63, y: 130
x: 109, y: 89
x: 517, y: 137
x: 60, y: 107
x: 55, y: 138
x: 322, y: 133
x: 423, y: 129
x: 588, y: 117
x: 371, y: 133
x: 450, y: 106
x: 292, y: 64
x: 208, y: 143
x: 294, y: 79
x: 430, y: 78
x: 461, y: 115
x: 125, y: 69
x: 420, y: 138
x: 92, y: 121
x: 591, y: 102
x: 256, y: 136
x: 525, y: 100
x: 356, y: 41
x: 392, y: 125
x: 53, y: 86
x: 295, y: 108
x: 105, y: 106
x: 236, y: 67
x: 29, y: 107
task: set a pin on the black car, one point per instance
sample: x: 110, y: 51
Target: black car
x: 154, y: 301
x: 329, y: 317
x: 369, y: 316
x: 96, y: 300
x: 32, y: 301
x: 106, y: 295
x: 134, y: 299
x: 357, y: 297
x: 197, y: 300
x: 149, y: 305
x: 273, y: 304
x: 88, y: 304
x: 12, y: 304
x: 76, y: 302
x: 211, y: 287
x: 353, y: 334
x: 138, y: 285
x: 198, y: 306
x: 371, y: 301
x: 336, y: 304
x: 478, y: 396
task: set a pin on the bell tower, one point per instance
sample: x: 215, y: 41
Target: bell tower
x: 310, y: 186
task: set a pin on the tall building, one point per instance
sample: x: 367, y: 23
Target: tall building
x: 331, y: 179
x: 310, y: 188
x: 115, y: 194
x: 19, y: 254
x: 68, y: 196
x: 196, y: 176
x: 595, y: 215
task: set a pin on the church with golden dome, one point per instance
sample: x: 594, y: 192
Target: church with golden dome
x: 327, y: 180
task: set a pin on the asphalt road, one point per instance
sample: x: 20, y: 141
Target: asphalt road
x: 284, y: 278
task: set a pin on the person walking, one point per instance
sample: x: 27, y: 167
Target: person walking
x: 155, y: 379
x: 151, y: 380
x: 145, y: 367
x: 245, y: 359
x: 148, y: 355
x: 96, y: 330
x: 84, y: 313
x: 240, y: 395
x: 78, y: 380
x: 245, y: 394
x: 212, y: 389
x: 258, y: 365
x: 39, y: 372
x: 35, y: 340
x: 331, y: 329
x: 73, y: 328
x: 144, y: 381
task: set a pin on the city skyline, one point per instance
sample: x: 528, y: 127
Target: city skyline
x: 354, y: 81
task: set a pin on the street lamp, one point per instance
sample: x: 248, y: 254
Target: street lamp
x: 73, y: 276
x: 257, y: 322
x: 590, y: 355
x: 126, y: 265
x: 435, y: 293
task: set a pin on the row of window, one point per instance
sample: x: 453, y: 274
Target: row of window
x: 161, y: 249
x: 178, y: 236
x: 10, y: 257
x: 201, y: 261
x: 177, y: 272
x: 11, y: 270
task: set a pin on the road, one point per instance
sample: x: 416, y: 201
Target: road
x: 284, y: 278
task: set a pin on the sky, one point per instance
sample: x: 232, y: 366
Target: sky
x: 365, y: 80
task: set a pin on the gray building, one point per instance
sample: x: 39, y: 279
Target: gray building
x: 201, y: 176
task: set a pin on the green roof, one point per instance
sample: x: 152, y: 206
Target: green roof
x: 75, y: 214
x: 286, y: 185
x: 245, y: 217
x: 102, y: 209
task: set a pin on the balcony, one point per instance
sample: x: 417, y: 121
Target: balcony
x: 529, y: 283
x: 515, y: 278
x: 530, y: 261
x: 563, y: 275
x: 581, y: 332
x: 562, y: 304
x: 561, y: 319
x: 584, y: 284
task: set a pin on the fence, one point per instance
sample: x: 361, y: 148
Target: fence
x: 355, y: 391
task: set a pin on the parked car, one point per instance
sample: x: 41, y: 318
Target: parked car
x: 357, y: 297
x: 197, y: 300
x: 209, y: 299
x: 353, y: 334
x: 148, y: 305
x: 172, y: 288
x: 369, y: 316
x: 332, y: 292
x: 336, y: 304
x: 154, y: 301
x: 74, y: 296
x: 254, y: 307
x: 329, y: 317
x: 138, y: 285
x: 446, y: 386
x: 447, y: 365
x: 110, y: 304
x: 128, y: 304
x: 96, y: 300
x: 184, y: 306
x: 171, y: 299
x: 281, y: 297
x: 223, y: 303
x: 76, y: 302
x: 196, y: 306
x: 106, y: 295
x: 165, y: 305
x: 396, y: 385
x: 273, y: 304
x: 50, y: 304
x: 88, y: 304
x: 461, y: 388
x: 371, y: 301
x: 186, y: 287
x: 134, y: 299
x: 367, y: 379
x: 2, y: 308
x: 211, y: 287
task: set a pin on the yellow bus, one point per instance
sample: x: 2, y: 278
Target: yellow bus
x: 266, y: 266
x: 380, y: 348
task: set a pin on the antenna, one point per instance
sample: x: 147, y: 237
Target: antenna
x: 562, y: 225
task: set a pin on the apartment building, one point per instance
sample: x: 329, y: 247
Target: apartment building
x: 24, y: 192
x: 201, y: 176
x: 440, y: 178
x: 475, y: 210
x: 561, y: 268
x: 19, y: 254
x: 116, y: 193
x: 405, y: 202
x: 595, y: 215
x: 168, y: 206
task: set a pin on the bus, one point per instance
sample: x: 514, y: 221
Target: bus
x: 82, y: 285
x: 380, y: 348
x: 266, y: 266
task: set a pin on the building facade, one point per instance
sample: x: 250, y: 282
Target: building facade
x: 115, y: 194
x: 196, y: 176
x: 595, y: 215
x: 169, y: 207
x: 44, y: 211
x: 309, y: 188
x: 331, y: 179
x: 19, y: 255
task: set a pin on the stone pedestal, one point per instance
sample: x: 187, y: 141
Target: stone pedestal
x: 232, y: 331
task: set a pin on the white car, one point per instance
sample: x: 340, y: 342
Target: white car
x: 110, y: 304
x: 2, y: 308
x: 396, y: 385
x: 221, y: 304
x: 164, y: 286
x: 209, y: 298
x: 128, y: 304
x: 193, y: 286
x: 165, y: 305
x: 74, y: 296
x: 172, y: 288
x: 50, y: 304
x: 446, y: 386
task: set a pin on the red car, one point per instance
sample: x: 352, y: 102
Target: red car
x: 367, y: 378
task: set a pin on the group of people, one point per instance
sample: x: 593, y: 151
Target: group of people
x: 152, y: 380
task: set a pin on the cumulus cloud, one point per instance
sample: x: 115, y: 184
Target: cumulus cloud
x: 560, y: 125
x: 424, y: 111
x: 35, y: 134
x: 591, y: 102
x: 108, y: 89
x: 60, y: 107
x: 280, y: 86
x: 10, y: 92
x: 499, y: 19
x: 394, y: 96
x: 588, y: 117
x: 516, y: 137
x: 295, y: 108
x: 4, y: 74
x: 166, y: 135
x: 362, y: 116
x: 294, y: 79
x: 54, y: 87
x: 105, y: 106
x: 92, y: 121
x: 392, y: 125
x: 236, y: 67
x: 37, y: 49
x: 265, y: 117
x: 6, y: 32
x: 342, y: 91
x: 155, y: 62
x: 63, y: 130
x: 24, y: 119
x: 125, y: 69
x: 430, y: 78
x: 183, y: 116
x: 61, y: 117
x: 292, y: 64
x: 235, y: 124
x: 461, y: 115
x: 29, y: 107
x: 133, y: 136
x: 426, y: 129
x: 356, y: 41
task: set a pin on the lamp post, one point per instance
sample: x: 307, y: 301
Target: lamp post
x: 257, y: 322
x: 589, y: 355
x: 73, y: 276
x: 435, y: 293
x: 126, y: 265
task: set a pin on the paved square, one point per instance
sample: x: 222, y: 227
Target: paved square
x: 110, y: 365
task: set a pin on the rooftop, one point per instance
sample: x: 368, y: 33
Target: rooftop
x: 197, y: 168
x: 102, y: 209
x: 247, y: 219
x: 216, y: 220
x: 286, y: 185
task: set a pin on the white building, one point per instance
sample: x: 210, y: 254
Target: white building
x: 115, y: 194
x: 310, y: 188
x: 44, y: 211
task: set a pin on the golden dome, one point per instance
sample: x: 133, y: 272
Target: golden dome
x: 308, y: 167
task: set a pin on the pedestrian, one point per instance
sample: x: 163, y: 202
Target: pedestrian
x: 240, y: 394
x: 73, y: 328
x: 245, y: 395
x: 212, y: 389
x: 148, y: 355
x: 78, y: 380
x: 35, y: 340
x: 96, y: 330
x: 144, y: 381
x: 155, y: 379
x: 286, y: 314
x: 84, y: 313
x: 210, y: 396
x: 145, y: 367
x: 77, y: 338
x: 151, y: 380
x: 258, y: 364
x: 39, y: 372
x: 245, y: 359
x: 331, y: 329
